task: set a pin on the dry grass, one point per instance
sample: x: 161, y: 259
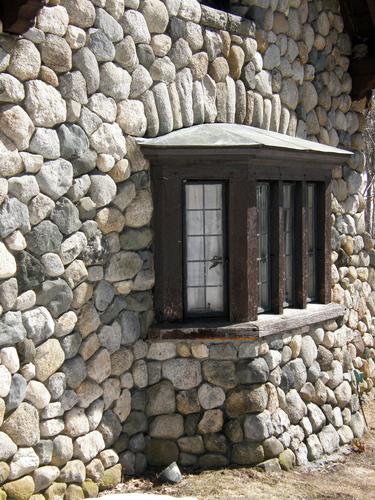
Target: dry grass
x: 347, y: 476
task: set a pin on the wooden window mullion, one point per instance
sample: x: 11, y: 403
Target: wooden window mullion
x: 323, y: 260
x: 168, y: 249
x: 300, y: 262
x: 277, y: 248
x: 243, y: 298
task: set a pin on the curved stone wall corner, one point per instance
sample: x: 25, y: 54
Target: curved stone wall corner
x: 77, y: 377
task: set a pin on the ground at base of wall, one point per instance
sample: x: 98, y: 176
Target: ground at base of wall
x: 349, y: 476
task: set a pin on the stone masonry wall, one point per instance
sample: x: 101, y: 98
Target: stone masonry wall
x: 78, y: 377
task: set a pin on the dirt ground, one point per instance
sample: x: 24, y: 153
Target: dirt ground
x: 348, y: 475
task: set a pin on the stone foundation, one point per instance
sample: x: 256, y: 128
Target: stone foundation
x: 290, y: 397
x: 84, y: 395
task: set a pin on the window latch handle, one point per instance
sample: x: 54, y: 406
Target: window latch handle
x: 216, y: 260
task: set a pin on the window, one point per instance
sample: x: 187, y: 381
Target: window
x: 239, y: 231
x: 204, y: 243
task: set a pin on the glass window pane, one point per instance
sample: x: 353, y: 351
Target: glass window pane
x: 204, y: 245
x: 263, y: 246
x: 195, y: 274
x: 195, y: 248
x: 213, y: 221
x: 194, y: 196
x: 194, y: 222
x: 214, y: 246
x: 215, y: 298
x: 195, y: 299
x: 214, y: 275
x: 213, y: 197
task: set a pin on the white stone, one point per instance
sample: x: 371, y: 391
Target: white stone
x: 37, y: 394
x: 44, y: 104
x: 87, y: 447
x: 24, y: 461
x: 5, y: 381
x: 8, y: 266
x: 9, y: 358
x: 53, y: 20
x: 108, y: 139
x: 114, y: 81
x: 131, y: 117
x: 16, y: 125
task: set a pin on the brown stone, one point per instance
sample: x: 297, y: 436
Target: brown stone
x: 243, y: 401
x: 236, y: 60
x: 212, y: 421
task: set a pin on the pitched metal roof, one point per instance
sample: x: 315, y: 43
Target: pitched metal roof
x: 226, y: 135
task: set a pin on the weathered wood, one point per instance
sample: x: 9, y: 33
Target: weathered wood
x: 301, y: 271
x: 324, y: 242
x: 168, y: 249
x: 277, y: 258
x: 266, y: 325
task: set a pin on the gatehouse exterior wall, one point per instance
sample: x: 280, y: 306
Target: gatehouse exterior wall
x: 85, y: 394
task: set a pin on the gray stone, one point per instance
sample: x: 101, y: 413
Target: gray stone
x: 55, y: 178
x: 160, y: 399
x: 39, y: 324
x: 73, y: 472
x: 295, y: 408
x: 57, y: 295
x: 329, y: 439
x: 294, y: 375
x: 72, y: 247
x: 73, y: 141
x: 100, y: 45
x: 221, y: 373
x: 81, y: 12
x: 65, y: 215
x: 108, y: 25
x: 43, y: 238
x: 258, y: 427
x: 73, y: 86
x: 163, y: 106
x: 134, y: 24
x: 126, y: 54
x: 256, y: 371
x: 167, y: 427
x: 13, y: 215
x: 45, y: 142
x: 44, y: 450
x: 12, y: 330
x: 316, y: 417
x: 210, y: 396
x: 183, y: 373
x: 357, y: 425
x: 85, y: 61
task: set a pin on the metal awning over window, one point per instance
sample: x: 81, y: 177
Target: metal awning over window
x: 222, y: 135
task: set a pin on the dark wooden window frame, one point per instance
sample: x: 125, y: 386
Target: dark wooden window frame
x: 240, y: 168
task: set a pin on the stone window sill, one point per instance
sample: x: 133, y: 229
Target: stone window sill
x: 267, y: 324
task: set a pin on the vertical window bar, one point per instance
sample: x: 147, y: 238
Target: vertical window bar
x: 204, y: 249
x: 288, y: 210
x: 311, y: 241
x: 263, y: 259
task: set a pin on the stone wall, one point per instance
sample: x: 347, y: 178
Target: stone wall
x: 280, y: 401
x: 77, y: 374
